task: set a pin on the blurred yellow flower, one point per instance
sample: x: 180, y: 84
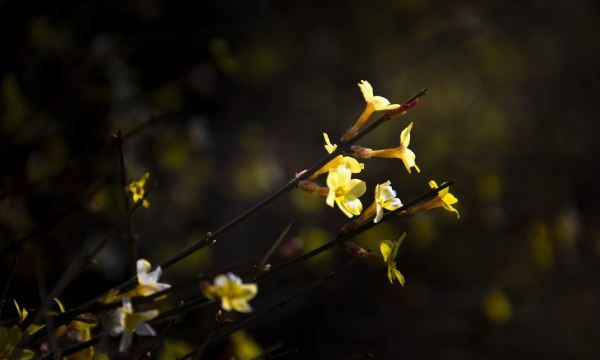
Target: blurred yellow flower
x: 385, y: 198
x: 497, y: 307
x: 373, y: 103
x: 9, y: 338
x: 233, y: 293
x: 345, y: 191
x: 126, y: 322
x: 389, y: 251
x: 443, y: 199
x: 244, y: 346
x: 148, y: 280
x: 401, y: 152
x: 137, y: 191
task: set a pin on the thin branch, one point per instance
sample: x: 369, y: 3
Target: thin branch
x: 342, y: 237
x: 11, y: 274
x: 119, y: 141
x: 262, y: 264
x: 210, y: 237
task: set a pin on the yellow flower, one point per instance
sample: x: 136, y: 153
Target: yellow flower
x: 136, y: 188
x: 389, y: 250
x: 22, y: 315
x: 348, y: 161
x: 148, y: 280
x: 373, y: 103
x: 401, y: 152
x: 345, y: 191
x: 385, y: 198
x: 9, y: 338
x: 126, y: 322
x: 233, y: 293
x: 443, y: 199
x: 21, y: 312
x: 328, y: 145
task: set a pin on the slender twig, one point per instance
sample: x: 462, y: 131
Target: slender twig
x: 147, y: 354
x: 210, y: 237
x: 262, y: 264
x: 119, y: 141
x: 367, y: 353
x: 73, y: 349
x: 342, y: 237
x: 11, y: 274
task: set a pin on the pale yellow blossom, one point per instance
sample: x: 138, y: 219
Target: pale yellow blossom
x: 345, y: 191
x: 234, y: 295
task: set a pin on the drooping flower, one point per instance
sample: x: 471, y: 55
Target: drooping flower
x: 389, y: 251
x: 148, y: 280
x: 401, y: 152
x: 137, y: 191
x: 125, y: 322
x: 373, y: 103
x: 345, y: 191
x: 385, y: 198
x: 443, y: 199
x: 233, y: 293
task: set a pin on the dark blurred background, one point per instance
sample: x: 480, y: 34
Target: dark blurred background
x: 243, y: 91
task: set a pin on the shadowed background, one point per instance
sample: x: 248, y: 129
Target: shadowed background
x: 244, y: 91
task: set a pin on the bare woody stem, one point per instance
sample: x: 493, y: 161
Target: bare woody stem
x: 210, y: 237
x: 119, y: 141
x: 342, y: 237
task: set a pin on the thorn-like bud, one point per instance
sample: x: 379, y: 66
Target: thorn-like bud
x: 354, y: 249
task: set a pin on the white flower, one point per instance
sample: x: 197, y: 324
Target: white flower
x: 148, y: 280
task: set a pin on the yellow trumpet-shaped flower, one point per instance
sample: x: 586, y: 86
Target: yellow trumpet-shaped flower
x: 389, y: 251
x: 345, y: 191
x: 148, y: 280
x: 233, y: 293
x: 401, y: 152
x: 373, y: 103
x: 348, y: 161
x: 137, y: 191
x: 443, y: 199
x: 385, y: 198
x: 125, y: 322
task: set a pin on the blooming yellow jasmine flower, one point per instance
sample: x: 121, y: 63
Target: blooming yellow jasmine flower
x: 389, y: 251
x: 345, y: 191
x: 401, y: 152
x: 385, y: 198
x: 328, y: 145
x: 373, y: 103
x: 233, y: 293
x: 340, y: 160
x: 148, y: 280
x: 126, y: 322
x: 443, y: 199
x: 136, y: 188
x: 348, y: 161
